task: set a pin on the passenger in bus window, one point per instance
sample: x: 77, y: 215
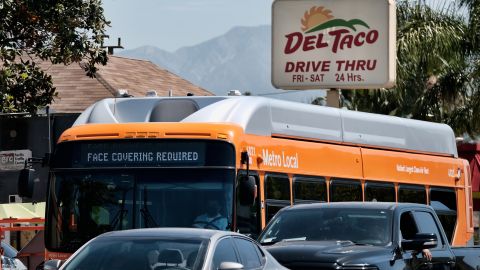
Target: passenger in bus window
x: 100, y: 215
x: 212, y: 219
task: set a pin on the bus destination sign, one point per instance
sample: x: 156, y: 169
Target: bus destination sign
x: 159, y: 157
x: 141, y: 154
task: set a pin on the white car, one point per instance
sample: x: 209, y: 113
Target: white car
x: 170, y: 248
x: 12, y: 264
x: 8, y: 259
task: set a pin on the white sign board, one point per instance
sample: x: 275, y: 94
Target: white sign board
x: 333, y: 44
x: 14, y: 160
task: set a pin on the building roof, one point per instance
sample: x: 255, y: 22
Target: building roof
x: 22, y: 210
x: 76, y: 91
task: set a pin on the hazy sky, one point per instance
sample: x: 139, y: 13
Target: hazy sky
x: 172, y: 24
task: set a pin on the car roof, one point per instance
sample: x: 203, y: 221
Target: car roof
x: 353, y: 205
x: 181, y: 233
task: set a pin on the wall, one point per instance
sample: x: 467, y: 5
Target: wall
x: 17, y: 133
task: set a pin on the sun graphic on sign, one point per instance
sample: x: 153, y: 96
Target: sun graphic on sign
x: 315, y: 16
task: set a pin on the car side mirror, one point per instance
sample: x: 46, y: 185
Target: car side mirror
x: 25, y: 182
x: 420, y: 241
x: 247, y: 190
x: 230, y: 266
x: 52, y: 265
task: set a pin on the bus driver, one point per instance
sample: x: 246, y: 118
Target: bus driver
x: 212, y: 219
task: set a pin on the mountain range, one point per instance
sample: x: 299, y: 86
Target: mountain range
x: 237, y: 60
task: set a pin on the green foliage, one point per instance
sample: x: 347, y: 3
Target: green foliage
x: 438, y: 67
x: 60, y: 31
x: 339, y: 23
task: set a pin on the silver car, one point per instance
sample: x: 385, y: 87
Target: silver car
x: 169, y: 248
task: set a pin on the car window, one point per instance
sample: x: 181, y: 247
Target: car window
x: 140, y: 254
x: 426, y: 224
x: 7, y: 263
x: 408, y: 227
x: 224, y: 252
x: 12, y: 262
x: 248, y: 253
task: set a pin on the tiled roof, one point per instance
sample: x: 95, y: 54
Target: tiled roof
x: 76, y: 91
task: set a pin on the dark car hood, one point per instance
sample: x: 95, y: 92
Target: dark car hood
x: 340, y: 252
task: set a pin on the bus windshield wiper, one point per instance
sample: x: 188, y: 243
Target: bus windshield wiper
x: 118, y: 219
x: 147, y: 216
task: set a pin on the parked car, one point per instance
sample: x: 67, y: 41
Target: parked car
x: 169, y: 248
x: 364, y: 236
x: 12, y: 264
x: 7, y: 263
x: 8, y: 259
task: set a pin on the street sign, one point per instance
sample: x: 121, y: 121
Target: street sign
x: 14, y: 159
x: 333, y: 44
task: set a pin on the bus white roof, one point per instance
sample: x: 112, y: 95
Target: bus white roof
x: 272, y: 117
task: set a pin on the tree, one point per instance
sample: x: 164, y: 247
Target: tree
x: 60, y: 31
x: 437, y: 67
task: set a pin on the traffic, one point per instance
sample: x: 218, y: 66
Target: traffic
x: 147, y: 165
x: 169, y: 248
x: 241, y: 170
x: 353, y: 235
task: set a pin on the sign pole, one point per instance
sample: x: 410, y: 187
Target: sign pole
x: 333, y: 98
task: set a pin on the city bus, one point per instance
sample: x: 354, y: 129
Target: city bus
x: 160, y: 161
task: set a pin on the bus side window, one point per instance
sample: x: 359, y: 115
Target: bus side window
x: 342, y: 190
x: 412, y: 194
x: 309, y: 189
x: 379, y: 192
x: 444, y: 202
x: 277, y: 194
x: 248, y: 216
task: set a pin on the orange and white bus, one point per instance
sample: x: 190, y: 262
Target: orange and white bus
x: 160, y: 161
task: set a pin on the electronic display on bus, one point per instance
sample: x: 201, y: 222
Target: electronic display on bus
x: 143, y: 153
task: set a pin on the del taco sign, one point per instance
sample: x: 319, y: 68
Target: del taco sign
x: 333, y: 44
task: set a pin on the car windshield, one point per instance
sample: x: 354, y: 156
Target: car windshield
x: 140, y: 254
x: 86, y: 204
x: 361, y: 226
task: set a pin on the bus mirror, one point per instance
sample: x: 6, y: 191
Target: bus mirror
x: 247, y: 190
x: 25, y: 182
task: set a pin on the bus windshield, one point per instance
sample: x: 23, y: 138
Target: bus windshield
x: 84, y: 204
